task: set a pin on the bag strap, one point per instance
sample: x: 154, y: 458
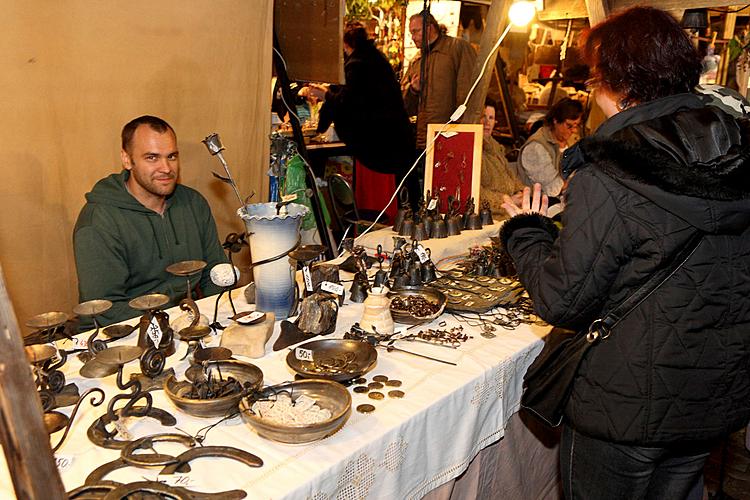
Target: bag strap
x: 601, y: 328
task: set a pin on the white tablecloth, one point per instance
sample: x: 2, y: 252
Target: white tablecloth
x: 404, y: 449
x: 439, y: 248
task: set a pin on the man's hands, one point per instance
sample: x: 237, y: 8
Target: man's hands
x: 538, y: 203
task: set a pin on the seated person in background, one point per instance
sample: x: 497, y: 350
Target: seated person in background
x: 137, y: 222
x: 539, y: 158
x: 497, y: 176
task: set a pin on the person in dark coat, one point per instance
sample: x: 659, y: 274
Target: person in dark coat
x: 673, y: 377
x: 368, y: 111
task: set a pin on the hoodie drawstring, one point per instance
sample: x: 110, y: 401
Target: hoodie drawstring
x: 156, y: 237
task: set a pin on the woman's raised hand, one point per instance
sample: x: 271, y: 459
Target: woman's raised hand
x: 538, y: 203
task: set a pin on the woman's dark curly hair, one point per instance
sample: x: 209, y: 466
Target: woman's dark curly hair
x: 642, y: 54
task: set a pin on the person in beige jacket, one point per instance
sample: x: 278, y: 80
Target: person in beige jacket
x: 449, y: 64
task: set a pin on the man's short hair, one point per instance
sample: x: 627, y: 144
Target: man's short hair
x: 156, y: 124
x: 431, y: 21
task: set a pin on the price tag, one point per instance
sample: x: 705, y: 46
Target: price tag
x: 79, y: 342
x: 246, y: 320
x: 289, y: 197
x: 422, y: 254
x: 303, y: 354
x: 304, y: 402
x: 177, y: 479
x: 432, y: 204
x: 63, y: 462
x: 154, y: 332
x: 308, y: 278
x: 336, y: 288
x: 121, y: 426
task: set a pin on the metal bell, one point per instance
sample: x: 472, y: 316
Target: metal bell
x: 428, y: 223
x: 381, y: 278
x: 420, y: 233
x: 485, y: 216
x: 401, y: 280
x: 400, y: 217
x: 407, y: 228
x: 358, y: 291
x: 438, y: 229
x: 474, y: 222
x: 454, y: 225
x: 428, y: 272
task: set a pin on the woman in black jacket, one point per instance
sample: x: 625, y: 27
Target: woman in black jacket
x: 674, y: 375
x: 368, y: 112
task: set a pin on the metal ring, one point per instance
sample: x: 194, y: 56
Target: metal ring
x: 154, y: 459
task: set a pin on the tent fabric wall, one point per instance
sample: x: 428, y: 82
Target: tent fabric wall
x: 75, y: 72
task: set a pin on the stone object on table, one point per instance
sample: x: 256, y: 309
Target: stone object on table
x: 186, y: 319
x: 249, y: 340
x: 249, y: 293
x: 318, y: 313
x: 322, y: 272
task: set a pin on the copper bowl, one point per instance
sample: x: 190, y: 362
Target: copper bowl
x: 334, y: 359
x: 217, y: 407
x: 328, y: 395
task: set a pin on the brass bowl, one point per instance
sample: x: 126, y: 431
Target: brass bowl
x: 335, y: 359
x: 329, y: 395
x: 218, y: 407
x: 433, y: 295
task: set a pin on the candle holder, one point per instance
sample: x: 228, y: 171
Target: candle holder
x: 93, y: 308
x: 155, y: 339
x: 116, y: 358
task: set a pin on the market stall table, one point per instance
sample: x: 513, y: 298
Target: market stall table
x: 404, y: 449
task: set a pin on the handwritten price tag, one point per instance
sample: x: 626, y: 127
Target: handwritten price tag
x: 63, y: 462
x: 303, y: 354
x: 154, y: 332
x: 308, y: 278
x: 77, y: 343
x: 121, y: 426
x: 327, y: 286
x: 177, y: 479
x: 422, y: 254
x: 432, y: 204
x: 289, y: 197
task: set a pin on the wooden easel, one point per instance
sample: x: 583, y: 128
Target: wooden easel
x: 22, y: 433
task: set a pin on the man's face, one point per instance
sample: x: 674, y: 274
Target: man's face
x: 488, y: 120
x: 154, y: 163
x: 415, y: 28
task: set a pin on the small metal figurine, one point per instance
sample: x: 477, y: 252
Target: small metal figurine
x: 360, y: 284
x: 485, y: 214
x: 404, y: 211
x: 381, y: 276
x: 468, y: 211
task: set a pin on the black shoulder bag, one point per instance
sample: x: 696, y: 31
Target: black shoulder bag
x: 549, y: 380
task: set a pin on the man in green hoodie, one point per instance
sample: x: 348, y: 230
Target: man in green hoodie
x: 139, y: 221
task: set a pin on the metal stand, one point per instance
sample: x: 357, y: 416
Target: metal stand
x: 323, y: 230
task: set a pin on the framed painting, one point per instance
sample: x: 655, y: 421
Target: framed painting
x: 454, y: 163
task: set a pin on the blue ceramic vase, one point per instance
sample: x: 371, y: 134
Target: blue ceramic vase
x: 270, y: 235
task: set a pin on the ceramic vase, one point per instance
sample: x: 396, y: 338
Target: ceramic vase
x: 377, y: 315
x: 271, y: 234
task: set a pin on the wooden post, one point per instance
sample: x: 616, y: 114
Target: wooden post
x: 598, y: 10
x: 22, y: 433
x: 495, y: 24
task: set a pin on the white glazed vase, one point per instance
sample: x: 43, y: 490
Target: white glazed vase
x: 269, y: 235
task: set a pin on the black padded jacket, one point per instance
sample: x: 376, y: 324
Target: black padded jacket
x: 677, y: 369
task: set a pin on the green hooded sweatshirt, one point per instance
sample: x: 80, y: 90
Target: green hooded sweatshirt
x: 123, y: 248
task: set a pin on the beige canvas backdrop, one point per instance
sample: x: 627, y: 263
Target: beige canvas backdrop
x: 74, y: 71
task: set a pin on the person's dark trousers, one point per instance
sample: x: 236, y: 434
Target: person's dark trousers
x: 596, y: 469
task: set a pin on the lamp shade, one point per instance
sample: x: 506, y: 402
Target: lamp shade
x: 696, y: 19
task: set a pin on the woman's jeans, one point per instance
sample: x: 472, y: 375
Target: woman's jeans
x: 595, y: 469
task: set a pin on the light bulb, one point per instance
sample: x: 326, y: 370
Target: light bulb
x: 521, y: 12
